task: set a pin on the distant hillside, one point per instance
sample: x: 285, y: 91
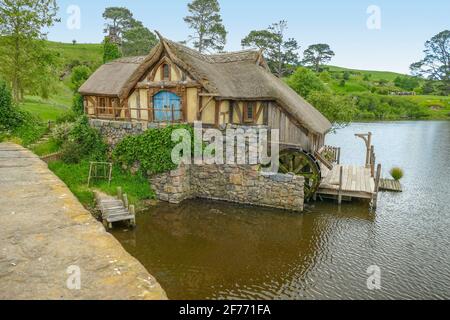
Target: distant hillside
x: 374, y: 75
x: 91, y: 54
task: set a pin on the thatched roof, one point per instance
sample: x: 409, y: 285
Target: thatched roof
x: 240, y: 75
x: 111, y: 77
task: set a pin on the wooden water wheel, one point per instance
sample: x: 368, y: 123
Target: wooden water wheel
x: 302, y: 163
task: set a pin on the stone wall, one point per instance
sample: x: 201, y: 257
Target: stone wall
x: 115, y: 131
x: 235, y: 183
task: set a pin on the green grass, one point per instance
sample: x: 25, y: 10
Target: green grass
x: 75, y: 177
x: 91, y: 54
x: 46, y: 148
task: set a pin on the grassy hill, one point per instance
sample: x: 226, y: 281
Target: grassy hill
x: 60, y: 101
x: 373, y: 75
x: 84, y: 53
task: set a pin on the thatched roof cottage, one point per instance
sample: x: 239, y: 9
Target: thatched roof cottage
x: 177, y: 84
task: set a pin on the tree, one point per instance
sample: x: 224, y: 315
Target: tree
x: 436, y: 64
x: 138, y: 41
x: 281, y: 53
x: 205, y: 20
x: 79, y: 75
x: 317, y: 54
x: 118, y: 19
x: 406, y: 83
x: 21, y: 26
x: 340, y: 110
x: 111, y: 50
x: 305, y: 81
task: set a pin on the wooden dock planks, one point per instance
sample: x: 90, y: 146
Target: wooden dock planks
x: 357, y: 182
x: 390, y: 185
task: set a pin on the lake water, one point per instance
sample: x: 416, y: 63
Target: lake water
x: 214, y: 250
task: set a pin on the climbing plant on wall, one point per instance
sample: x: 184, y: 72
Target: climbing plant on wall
x: 151, y: 150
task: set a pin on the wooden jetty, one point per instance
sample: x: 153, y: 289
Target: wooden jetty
x: 346, y: 182
x: 390, y: 185
x: 115, y: 209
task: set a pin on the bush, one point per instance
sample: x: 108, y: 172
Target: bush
x: 396, y: 173
x: 10, y: 116
x: 152, y: 150
x: 60, y: 133
x: 79, y: 141
x: 70, y: 152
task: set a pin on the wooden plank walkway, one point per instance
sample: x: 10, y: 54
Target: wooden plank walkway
x: 357, y: 182
x: 390, y: 185
x: 115, y: 210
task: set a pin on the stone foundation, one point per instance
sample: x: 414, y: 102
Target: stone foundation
x: 235, y: 183
x: 115, y: 131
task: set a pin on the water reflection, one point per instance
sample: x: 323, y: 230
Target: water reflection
x: 211, y: 250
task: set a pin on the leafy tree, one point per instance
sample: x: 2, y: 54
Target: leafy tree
x: 79, y: 75
x: 317, y: 54
x: 281, y: 53
x: 436, y: 64
x: 346, y: 75
x: 340, y: 110
x: 119, y: 19
x: 111, y: 50
x: 138, y: 41
x: 205, y: 20
x: 406, y: 83
x: 305, y: 81
x: 21, y: 24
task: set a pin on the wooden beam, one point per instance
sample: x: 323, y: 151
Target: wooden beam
x: 217, y: 113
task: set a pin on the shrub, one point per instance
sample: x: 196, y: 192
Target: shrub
x: 70, y: 152
x: 396, y: 173
x: 10, y: 117
x: 80, y: 141
x: 60, y: 133
x: 152, y: 149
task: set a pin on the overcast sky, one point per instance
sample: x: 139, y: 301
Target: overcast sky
x: 359, y: 39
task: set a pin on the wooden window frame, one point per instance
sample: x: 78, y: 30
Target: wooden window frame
x: 246, y: 110
x: 169, y: 75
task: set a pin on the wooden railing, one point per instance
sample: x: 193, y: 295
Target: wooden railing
x: 332, y: 154
x: 138, y: 114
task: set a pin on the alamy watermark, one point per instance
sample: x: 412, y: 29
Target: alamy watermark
x: 74, y: 18
x: 374, y: 279
x: 238, y: 146
x: 374, y: 20
x: 73, y: 282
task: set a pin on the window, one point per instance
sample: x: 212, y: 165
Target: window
x: 166, y: 72
x: 102, y: 105
x: 249, y: 111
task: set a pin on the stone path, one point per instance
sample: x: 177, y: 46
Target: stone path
x: 45, y: 233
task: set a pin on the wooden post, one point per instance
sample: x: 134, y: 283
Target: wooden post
x: 110, y: 174
x: 119, y: 193
x: 377, y: 186
x: 125, y: 200
x: 339, y: 155
x: 367, y: 137
x: 341, y: 174
x: 90, y: 172
x: 133, y: 213
x: 372, y: 161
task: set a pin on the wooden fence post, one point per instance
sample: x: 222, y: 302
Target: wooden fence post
x: 119, y: 193
x: 341, y: 173
x: 377, y: 186
x: 125, y: 201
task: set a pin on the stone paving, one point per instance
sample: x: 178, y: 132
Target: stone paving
x: 46, y: 237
